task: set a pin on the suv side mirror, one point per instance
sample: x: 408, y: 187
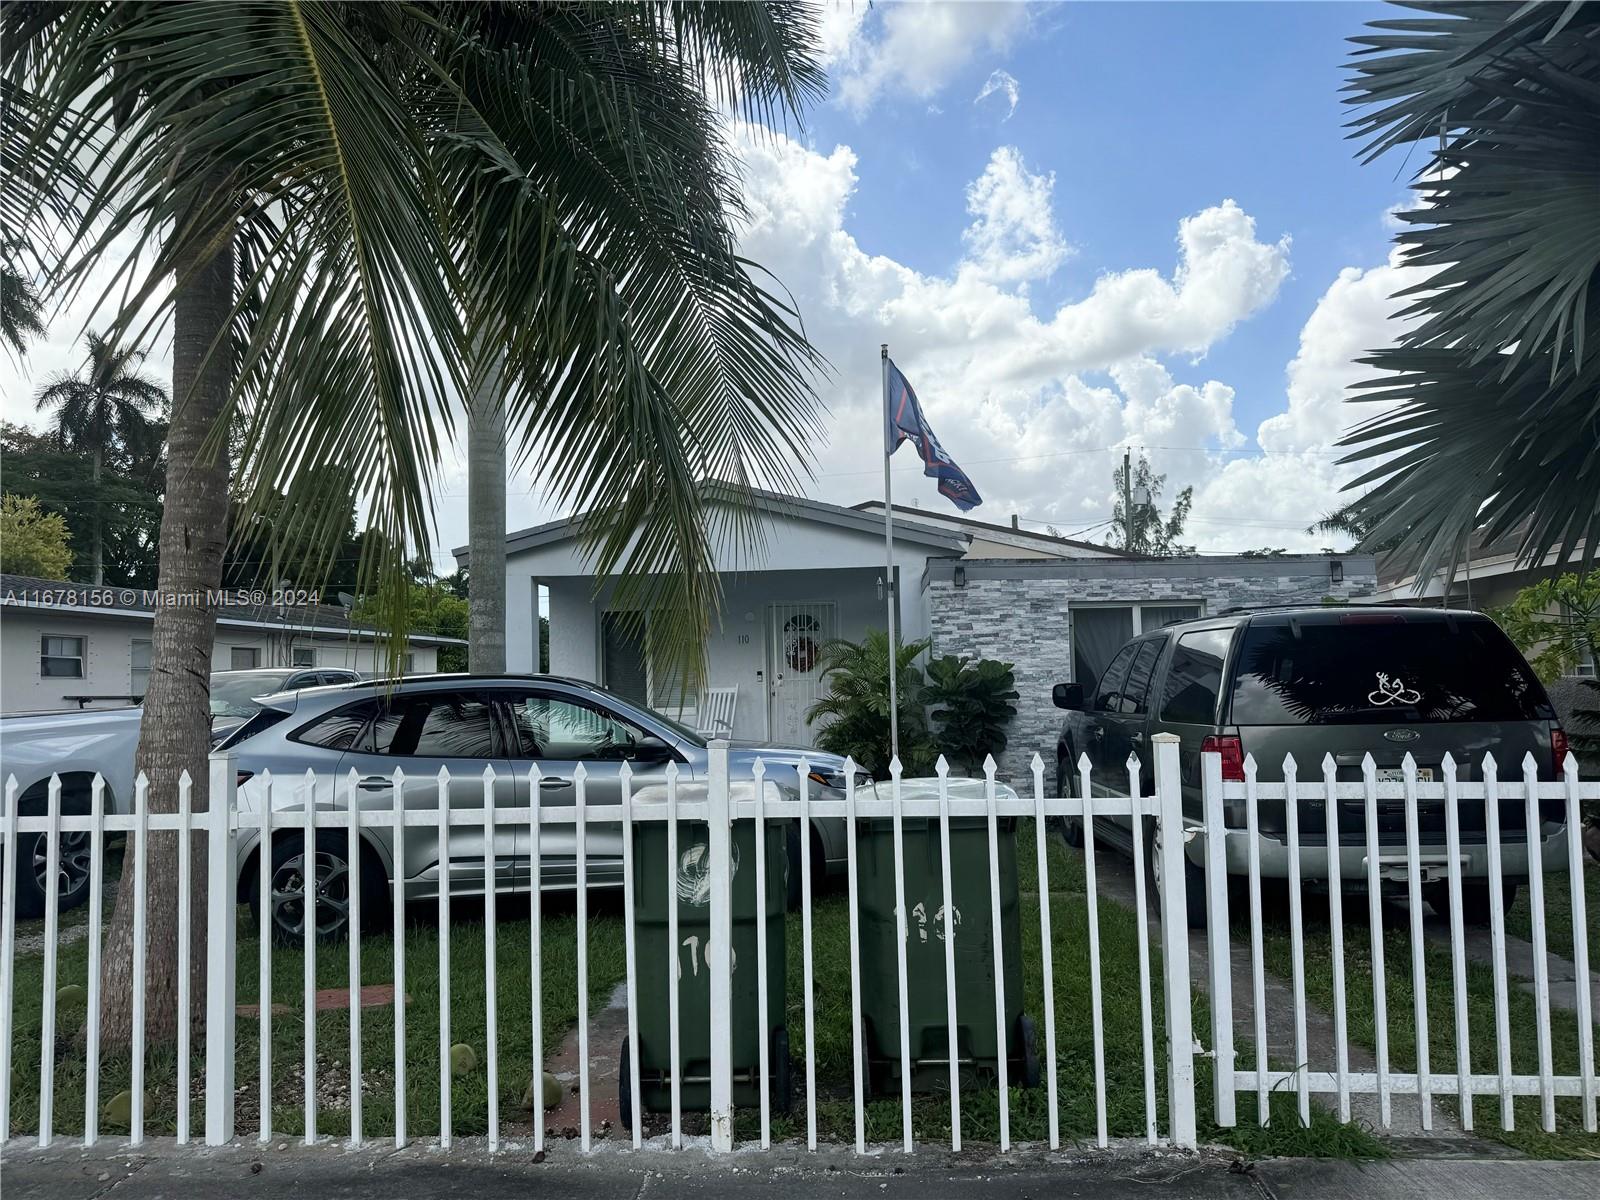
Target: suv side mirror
x: 650, y: 749
x: 1067, y: 695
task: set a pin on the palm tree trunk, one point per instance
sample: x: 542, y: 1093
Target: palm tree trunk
x: 174, y: 734
x: 486, y: 519
x: 96, y: 561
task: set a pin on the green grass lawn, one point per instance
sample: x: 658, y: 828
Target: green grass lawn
x: 1122, y: 1027
x: 1558, y: 914
x: 469, y: 1102
x: 1569, y: 1140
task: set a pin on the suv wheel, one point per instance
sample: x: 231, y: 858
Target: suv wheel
x: 1070, y: 828
x: 1194, y: 881
x: 1477, y: 900
x: 33, y: 868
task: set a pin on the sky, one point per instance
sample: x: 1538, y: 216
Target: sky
x: 1081, y: 229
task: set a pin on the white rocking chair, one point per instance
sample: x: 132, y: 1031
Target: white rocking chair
x: 714, y: 713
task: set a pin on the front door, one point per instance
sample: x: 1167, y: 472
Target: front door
x: 796, y: 634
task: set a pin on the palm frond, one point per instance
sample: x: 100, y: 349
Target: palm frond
x: 1494, y: 392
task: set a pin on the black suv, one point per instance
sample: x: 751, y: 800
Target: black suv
x: 1318, y: 680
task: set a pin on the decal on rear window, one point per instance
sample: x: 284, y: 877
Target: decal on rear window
x: 1392, y: 690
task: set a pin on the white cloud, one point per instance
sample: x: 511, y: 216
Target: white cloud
x: 917, y: 46
x: 1299, y: 475
x: 1014, y: 238
x: 1001, y: 83
x: 60, y: 350
x: 1011, y: 390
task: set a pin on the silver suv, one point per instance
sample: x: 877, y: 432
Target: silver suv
x: 1312, y: 681
x: 465, y: 723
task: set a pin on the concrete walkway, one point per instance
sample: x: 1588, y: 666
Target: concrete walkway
x: 161, y: 1171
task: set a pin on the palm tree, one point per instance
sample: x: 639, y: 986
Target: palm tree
x: 1489, y: 420
x: 326, y: 191
x: 19, y: 308
x: 106, y: 408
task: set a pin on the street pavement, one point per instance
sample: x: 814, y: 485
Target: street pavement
x: 161, y: 1171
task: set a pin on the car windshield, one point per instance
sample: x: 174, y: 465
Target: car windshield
x: 233, y: 692
x: 1390, y: 671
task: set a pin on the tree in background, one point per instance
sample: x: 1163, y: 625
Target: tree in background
x: 1149, y: 532
x: 430, y: 608
x: 1486, y: 404
x: 1556, y: 623
x: 32, y: 541
x: 127, y: 499
x: 105, y: 411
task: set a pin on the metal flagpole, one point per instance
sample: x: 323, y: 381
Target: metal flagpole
x: 888, y: 564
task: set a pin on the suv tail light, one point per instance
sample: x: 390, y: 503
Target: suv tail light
x: 1232, y: 750
x: 1558, y: 748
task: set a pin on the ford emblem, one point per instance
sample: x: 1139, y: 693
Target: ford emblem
x: 1401, y: 735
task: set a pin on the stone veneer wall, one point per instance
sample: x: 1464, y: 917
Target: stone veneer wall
x: 1019, y: 611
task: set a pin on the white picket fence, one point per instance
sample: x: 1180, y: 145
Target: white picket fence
x: 1449, y: 793
x: 720, y: 804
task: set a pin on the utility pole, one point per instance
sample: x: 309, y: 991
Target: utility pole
x: 1127, y: 501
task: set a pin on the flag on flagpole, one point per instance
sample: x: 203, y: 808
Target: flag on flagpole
x: 904, y: 422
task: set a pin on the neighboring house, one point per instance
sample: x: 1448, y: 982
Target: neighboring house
x: 1058, y: 609
x: 66, y: 645
x: 986, y: 540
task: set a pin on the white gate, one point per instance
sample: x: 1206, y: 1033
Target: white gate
x: 796, y: 634
x: 1316, y: 850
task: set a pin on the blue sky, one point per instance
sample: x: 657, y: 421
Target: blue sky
x: 1164, y: 241
x: 1145, y: 113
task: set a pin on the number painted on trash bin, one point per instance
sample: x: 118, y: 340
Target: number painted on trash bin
x: 919, y: 918
x: 700, y: 951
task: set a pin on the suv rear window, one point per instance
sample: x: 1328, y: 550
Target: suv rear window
x: 1363, y: 669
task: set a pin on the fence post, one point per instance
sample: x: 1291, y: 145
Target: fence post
x: 1175, y: 941
x: 221, y: 905
x: 1219, y: 957
x: 718, y: 944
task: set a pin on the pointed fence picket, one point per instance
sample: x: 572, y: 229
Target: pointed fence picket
x: 272, y: 850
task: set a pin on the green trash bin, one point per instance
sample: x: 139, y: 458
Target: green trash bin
x: 977, y: 1046
x: 653, y: 1054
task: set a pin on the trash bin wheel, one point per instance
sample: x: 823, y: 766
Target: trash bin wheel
x: 782, y: 1083
x: 624, y: 1085
x: 1028, y: 1036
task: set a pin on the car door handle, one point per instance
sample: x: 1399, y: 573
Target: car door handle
x: 1098, y: 731
x: 1136, y: 737
x: 375, y: 783
x: 554, y: 781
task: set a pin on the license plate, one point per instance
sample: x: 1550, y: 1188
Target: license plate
x: 1398, y: 775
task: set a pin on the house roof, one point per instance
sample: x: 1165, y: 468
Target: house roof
x: 238, y: 607
x: 980, y: 528
x: 771, y: 503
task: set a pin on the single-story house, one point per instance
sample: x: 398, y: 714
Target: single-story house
x: 66, y: 645
x: 1057, y: 609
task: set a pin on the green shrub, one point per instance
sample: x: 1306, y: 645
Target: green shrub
x: 857, y: 707
x: 972, y: 704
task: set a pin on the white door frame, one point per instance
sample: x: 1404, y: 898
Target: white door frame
x: 788, y: 608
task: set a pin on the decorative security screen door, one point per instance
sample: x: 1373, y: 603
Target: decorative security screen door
x: 796, y: 636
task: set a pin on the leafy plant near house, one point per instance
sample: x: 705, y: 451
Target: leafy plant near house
x: 32, y: 541
x: 856, y: 710
x: 971, y: 705
x: 430, y: 608
x: 1556, y: 622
